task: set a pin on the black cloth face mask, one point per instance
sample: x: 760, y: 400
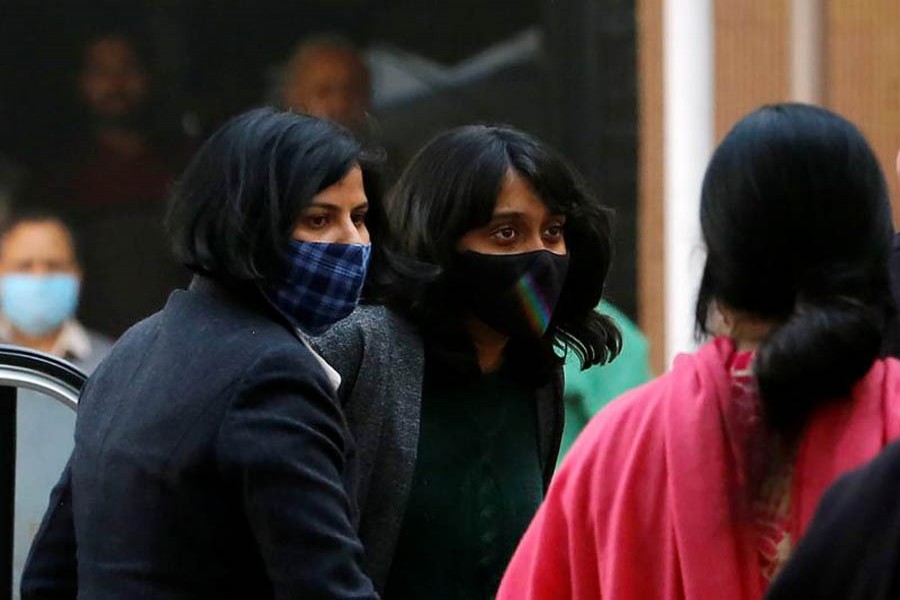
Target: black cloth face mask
x: 514, y: 294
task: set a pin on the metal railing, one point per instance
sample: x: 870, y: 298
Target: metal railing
x: 21, y: 368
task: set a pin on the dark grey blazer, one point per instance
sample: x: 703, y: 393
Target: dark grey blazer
x: 210, y: 461
x: 381, y: 359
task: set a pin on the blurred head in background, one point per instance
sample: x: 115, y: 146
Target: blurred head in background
x: 113, y: 82
x: 40, y: 278
x: 326, y: 77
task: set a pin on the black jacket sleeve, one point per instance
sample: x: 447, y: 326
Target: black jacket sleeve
x: 851, y: 550
x: 51, y: 569
x: 282, y: 444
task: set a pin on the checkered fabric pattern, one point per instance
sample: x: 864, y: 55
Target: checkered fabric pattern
x: 319, y: 283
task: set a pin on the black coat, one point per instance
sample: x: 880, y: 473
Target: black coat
x: 209, y: 462
x: 851, y: 550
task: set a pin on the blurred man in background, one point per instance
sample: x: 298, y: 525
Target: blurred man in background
x: 114, y: 180
x: 40, y: 279
x: 115, y: 162
x: 325, y: 76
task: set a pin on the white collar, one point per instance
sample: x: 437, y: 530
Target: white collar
x: 72, y: 342
x: 333, y: 376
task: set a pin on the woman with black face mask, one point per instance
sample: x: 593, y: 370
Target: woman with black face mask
x: 211, y: 454
x: 452, y: 385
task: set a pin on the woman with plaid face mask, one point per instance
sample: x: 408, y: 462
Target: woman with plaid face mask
x: 211, y: 454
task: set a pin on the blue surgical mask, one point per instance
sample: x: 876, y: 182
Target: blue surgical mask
x: 318, y: 284
x: 38, y: 304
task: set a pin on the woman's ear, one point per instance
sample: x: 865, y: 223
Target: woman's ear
x: 721, y: 320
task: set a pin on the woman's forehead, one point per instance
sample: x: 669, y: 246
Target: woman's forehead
x: 517, y: 195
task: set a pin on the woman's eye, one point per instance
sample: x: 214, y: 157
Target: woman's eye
x: 554, y: 231
x: 504, y: 234
x: 317, y: 221
x: 359, y: 219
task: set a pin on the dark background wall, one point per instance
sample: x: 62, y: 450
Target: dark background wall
x: 212, y: 58
x: 592, y: 80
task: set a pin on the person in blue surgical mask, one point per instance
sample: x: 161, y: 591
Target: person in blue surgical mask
x: 212, y: 458
x: 40, y: 281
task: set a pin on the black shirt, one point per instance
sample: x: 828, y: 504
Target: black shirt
x: 476, y: 486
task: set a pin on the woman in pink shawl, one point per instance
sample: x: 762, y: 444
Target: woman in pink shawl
x: 699, y: 484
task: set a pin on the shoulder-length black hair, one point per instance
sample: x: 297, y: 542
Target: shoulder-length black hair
x: 451, y: 187
x: 797, y: 224
x: 232, y: 212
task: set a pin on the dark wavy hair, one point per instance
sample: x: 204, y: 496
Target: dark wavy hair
x: 797, y: 224
x: 234, y: 208
x: 451, y: 187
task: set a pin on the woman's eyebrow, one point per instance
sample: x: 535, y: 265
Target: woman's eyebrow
x: 335, y: 207
x: 514, y: 214
x: 507, y: 214
x: 325, y: 205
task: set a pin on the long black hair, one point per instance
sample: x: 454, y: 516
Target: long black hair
x: 451, y: 187
x: 233, y: 210
x: 797, y: 224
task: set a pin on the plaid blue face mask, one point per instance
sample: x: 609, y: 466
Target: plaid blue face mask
x: 319, y: 284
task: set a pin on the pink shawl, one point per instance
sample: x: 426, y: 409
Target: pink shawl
x: 642, y: 507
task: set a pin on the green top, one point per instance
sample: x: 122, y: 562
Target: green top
x: 476, y: 486
x: 588, y: 391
